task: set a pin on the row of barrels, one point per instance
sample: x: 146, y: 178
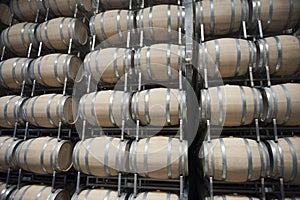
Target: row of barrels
x: 50, y: 70
x: 54, y: 34
x: 225, y: 159
x: 241, y: 160
x: 40, y: 192
x: 159, y: 62
x: 218, y: 17
x: 159, y: 23
x: 228, y: 105
x: 155, y: 157
x: 222, y: 58
x: 233, y: 105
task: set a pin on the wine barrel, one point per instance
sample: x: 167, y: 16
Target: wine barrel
x: 231, y: 105
x: 226, y: 57
x: 161, y: 23
x: 6, y: 192
x: 275, y: 15
x: 44, y: 155
x: 157, y: 107
x: 285, y: 159
x: 10, y: 111
x: 7, y: 152
x: 115, y: 62
x: 232, y: 197
x: 220, y: 17
x: 67, y: 8
x: 32, y: 192
x: 105, y: 108
x: 26, y: 10
x: 18, y: 38
x: 14, y: 71
x: 154, y: 196
x: 159, y: 157
x: 98, y: 194
x: 5, y: 14
x: 160, y: 62
x: 112, y: 26
x: 282, y: 102
x: 56, y: 33
x: 280, y: 53
x: 235, y: 159
x: 111, y: 158
x: 48, y: 110
x: 51, y: 70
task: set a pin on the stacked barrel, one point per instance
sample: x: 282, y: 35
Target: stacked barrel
x: 242, y: 52
x: 42, y: 48
x: 125, y: 117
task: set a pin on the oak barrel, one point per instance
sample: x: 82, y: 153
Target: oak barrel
x: 108, y: 65
x: 48, y: 110
x: 159, y: 157
x: 220, y: 17
x: 5, y: 14
x: 101, y: 156
x: 235, y: 159
x: 18, y: 37
x: 14, y: 71
x: 112, y: 25
x: 232, y: 197
x: 275, y: 15
x: 226, y: 57
x: 44, y: 155
x: 285, y: 158
x: 154, y: 196
x: 282, y: 102
x: 280, y: 53
x: 161, y: 23
x: 98, y: 194
x: 157, y: 107
x: 26, y: 10
x: 160, y: 62
x: 56, y: 33
x: 10, y: 111
x: 33, y: 192
x: 105, y: 108
x: 51, y: 70
x: 231, y: 105
x: 67, y: 8
x: 6, y: 192
x: 7, y: 152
